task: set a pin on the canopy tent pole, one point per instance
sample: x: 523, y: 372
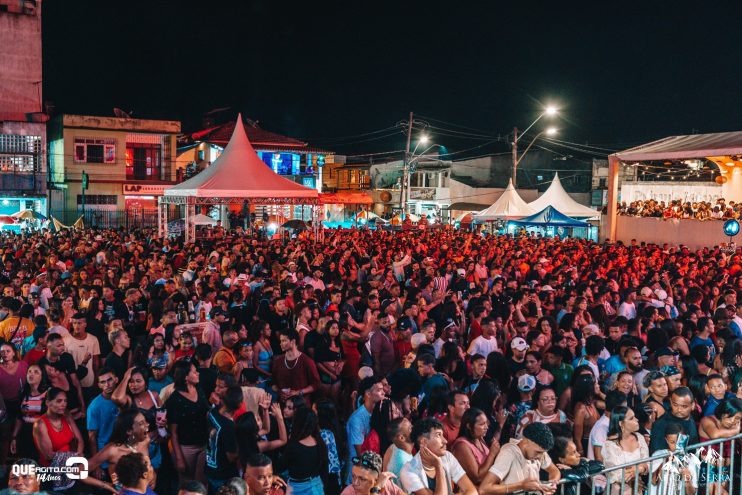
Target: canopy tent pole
x: 613, y: 165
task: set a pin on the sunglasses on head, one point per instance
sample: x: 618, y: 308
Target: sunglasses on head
x: 359, y: 461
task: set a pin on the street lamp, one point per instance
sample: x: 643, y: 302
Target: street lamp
x: 549, y: 111
x: 549, y: 132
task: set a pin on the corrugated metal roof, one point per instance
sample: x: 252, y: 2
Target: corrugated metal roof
x: 685, y: 147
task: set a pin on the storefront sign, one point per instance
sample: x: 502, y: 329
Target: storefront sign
x: 145, y: 189
x: 422, y: 193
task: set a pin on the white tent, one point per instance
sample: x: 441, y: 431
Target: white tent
x: 508, y: 206
x: 240, y: 173
x: 237, y: 177
x: 558, y: 198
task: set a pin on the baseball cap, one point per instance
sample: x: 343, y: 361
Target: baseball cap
x: 666, y: 351
x: 661, y: 294
x: 547, y: 288
x: 646, y: 292
x: 526, y: 383
x: 365, y: 372
x: 519, y: 343
x: 461, y: 272
x: 404, y: 324
x: 159, y: 363
x: 670, y: 370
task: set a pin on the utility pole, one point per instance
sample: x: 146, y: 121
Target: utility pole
x: 515, y: 157
x: 84, y: 184
x: 405, y: 190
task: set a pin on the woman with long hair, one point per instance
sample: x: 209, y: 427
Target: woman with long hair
x: 12, y: 380
x: 583, y: 409
x: 187, y: 408
x: 31, y: 408
x: 249, y: 427
x: 471, y: 449
x: 55, y: 431
x: 330, y: 359
x: 260, y: 334
x: 129, y: 434
x: 330, y: 431
x: 133, y: 391
x: 624, y: 445
x: 307, y: 453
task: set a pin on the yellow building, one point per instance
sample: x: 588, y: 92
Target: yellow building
x: 128, y: 163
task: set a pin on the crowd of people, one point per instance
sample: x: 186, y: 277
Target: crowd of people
x: 677, y: 208
x: 419, y: 362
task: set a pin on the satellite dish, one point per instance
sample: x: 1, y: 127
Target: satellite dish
x: 121, y: 114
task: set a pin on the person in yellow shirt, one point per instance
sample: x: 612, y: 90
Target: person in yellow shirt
x: 17, y: 326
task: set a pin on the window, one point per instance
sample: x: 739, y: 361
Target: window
x: 143, y: 161
x: 19, y: 154
x: 91, y: 150
x: 97, y: 199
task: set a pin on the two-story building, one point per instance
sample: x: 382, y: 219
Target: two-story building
x: 22, y: 118
x: 128, y: 163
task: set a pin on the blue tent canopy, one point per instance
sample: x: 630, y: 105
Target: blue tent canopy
x: 550, y: 216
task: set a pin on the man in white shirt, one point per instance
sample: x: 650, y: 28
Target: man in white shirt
x: 599, y: 432
x: 485, y: 343
x: 627, y: 309
x: 433, y: 464
x: 517, y: 466
x: 85, y: 350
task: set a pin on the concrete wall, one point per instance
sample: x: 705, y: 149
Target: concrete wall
x: 692, y: 233
x: 20, y: 61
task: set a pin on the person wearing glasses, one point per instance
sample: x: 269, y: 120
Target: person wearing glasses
x: 368, y: 478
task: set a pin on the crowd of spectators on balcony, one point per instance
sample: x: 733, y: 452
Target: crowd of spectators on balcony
x: 677, y: 208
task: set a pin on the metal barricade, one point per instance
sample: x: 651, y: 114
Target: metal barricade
x: 718, y: 481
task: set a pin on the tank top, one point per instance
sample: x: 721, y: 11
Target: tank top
x: 60, y: 440
x: 480, y: 455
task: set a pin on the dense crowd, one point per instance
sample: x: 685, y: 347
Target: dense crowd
x: 420, y: 362
x: 698, y: 210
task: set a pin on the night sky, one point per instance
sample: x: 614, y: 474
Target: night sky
x: 622, y: 74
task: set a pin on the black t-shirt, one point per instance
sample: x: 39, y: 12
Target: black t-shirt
x: 117, y: 363
x: 515, y: 366
x: 190, y: 417
x: 207, y: 379
x: 312, y: 340
x: 222, y: 440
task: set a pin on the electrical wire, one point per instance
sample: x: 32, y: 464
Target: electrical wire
x: 578, y: 144
x: 353, y: 136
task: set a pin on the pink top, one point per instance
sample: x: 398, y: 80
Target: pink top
x: 480, y: 451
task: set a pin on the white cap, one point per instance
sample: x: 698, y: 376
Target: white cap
x: 519, y: 343
x: 661, y: 294
x: 365, y: 372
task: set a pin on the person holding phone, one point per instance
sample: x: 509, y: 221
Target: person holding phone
x: 517, y: 466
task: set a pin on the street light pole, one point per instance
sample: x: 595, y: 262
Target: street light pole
x: 516, y: 136
x: 405, y: 188
x: 515, y: 155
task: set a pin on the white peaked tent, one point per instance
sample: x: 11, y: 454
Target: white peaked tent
x: 556, y: 197
x: 238, y: 176
x: 508, y: 206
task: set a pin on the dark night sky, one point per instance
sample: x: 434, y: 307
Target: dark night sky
x: 621, y: 72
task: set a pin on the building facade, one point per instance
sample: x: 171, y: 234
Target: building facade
x: 128, y: 163
x: 23, y: 167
